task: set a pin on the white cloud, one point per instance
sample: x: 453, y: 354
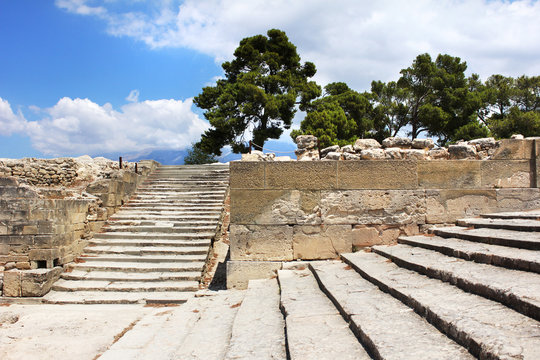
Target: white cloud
x: 9, y: 121
x: 133, y: 96
x: 80, y: 126
x: 349, y: 40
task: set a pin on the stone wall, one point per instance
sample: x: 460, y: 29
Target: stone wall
x: 46, y: 219
x: 284, y: 211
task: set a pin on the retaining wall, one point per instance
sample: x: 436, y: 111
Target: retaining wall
x: 43, y: 228
x: 284, y: 211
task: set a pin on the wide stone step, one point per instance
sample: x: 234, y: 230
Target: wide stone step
x: 384, y: 324
x: 501, y: 237
x: 142, y: 217
x: 161, y: 207
x: 180, y: 203
x: 140, y: 194
x: 533, y: 215
x: 149, y: 189
x: 519, y: 290
x: 488, y: 329
x: 508, y: 224
x: 155, y: 250
x: 142, y: 258
x: 119, y: 297
x: 156, y: 222
x: 125, y: 286
x: 155, y: 236
x: 127, y: 213
x: 125, y: 266
x: 149, y: 243
x: 511, y: 258
x: 259, y: 328
x: 315, y: 329
x: 131, y: 276
x: 161, y: 229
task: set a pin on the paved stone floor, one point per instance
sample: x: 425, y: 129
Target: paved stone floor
x: 64, y: 331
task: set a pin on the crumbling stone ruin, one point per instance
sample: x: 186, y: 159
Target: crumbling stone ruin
x: 49, y: 208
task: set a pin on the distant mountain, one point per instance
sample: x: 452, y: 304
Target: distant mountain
x: 176, y: 157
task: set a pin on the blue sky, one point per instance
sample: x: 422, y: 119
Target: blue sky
x: 116, y: 76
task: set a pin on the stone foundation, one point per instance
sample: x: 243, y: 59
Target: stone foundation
x: 284, y: 211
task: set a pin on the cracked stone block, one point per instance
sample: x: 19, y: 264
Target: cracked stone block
x: 321, y: 241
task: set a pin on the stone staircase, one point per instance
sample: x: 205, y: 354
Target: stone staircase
x: 154, y: 248
x: 463, y: 292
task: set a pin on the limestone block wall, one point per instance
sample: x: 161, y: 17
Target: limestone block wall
x: 43, y: 227
x: 284, y: 211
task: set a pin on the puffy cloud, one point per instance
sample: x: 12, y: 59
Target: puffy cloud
x: 80, y: 126
x: 9, y: 121
x: 349, y: 40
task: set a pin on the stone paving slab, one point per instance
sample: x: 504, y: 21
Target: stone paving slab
x: 512, y: 258
x: 384, y: 324
x: 501, y: 237
x: 259, y: 328
x: 53, y: 332
x: 508, y: 224
x: 519, y: 290
x: 315, y: 329
x: 488, y: 329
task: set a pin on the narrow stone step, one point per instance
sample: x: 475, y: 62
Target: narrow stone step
x: 127, y: 213
x: 148, y: 243
x: 488, y: 329
x: 142, y: 236
x: 501, y: 237
x: 259, y: 328
x: 120, y: 297
x: 142, y: 217
x: 174, y: 222
x: 138, y: 266
x: 160, y: 228
x: 143, y: 258
x: 131, y: 276
x: 519, y: 290
x: 125, y: 286
x: 532, y: 214
x: 155, y: 250
x: 508, y: 224
x: 384, y: 324
x: 511, y: 258
x: 315, y: 329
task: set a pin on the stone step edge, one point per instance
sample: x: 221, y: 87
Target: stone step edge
x: 508, y: 299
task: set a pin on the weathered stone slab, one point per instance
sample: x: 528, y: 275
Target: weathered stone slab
x: 514, y: 149
x: 315, y: 330
x: 371, y: 312
x: 506, y: 173
x: 321, y: 241
x: 247, y: 175
x: 451, y: 174
x: 239, y: 273
x: 266, y: 207
x: 377, y: 174
x: 508, y: 257
x: 301, y: 175
x: 486, y: 328
x: 518, y: 199
x: 261, y: 242
x: 512, y: 224
x: 501, y: 237
x: 446, y: 206
x: 388, y: 207
x: 30, y: 283
x: 516, y: 289
x: 259, y: 328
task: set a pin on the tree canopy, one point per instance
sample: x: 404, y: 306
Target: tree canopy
x: 266, y: 83
x: 259, y: 95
